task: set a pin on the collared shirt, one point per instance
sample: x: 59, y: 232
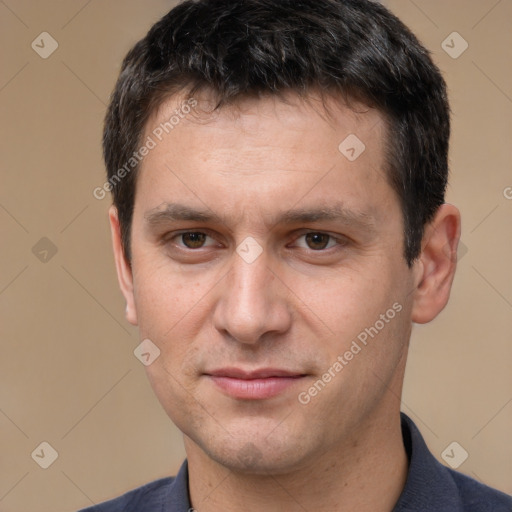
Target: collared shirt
x: 430, y: 487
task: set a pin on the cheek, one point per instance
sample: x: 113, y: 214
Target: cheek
x: 164, y: 297
x: 174, y: 309
x: 347, y: 301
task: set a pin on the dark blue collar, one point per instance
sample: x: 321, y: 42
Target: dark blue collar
x: 429, y: 485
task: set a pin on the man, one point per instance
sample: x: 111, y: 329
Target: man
x: 278, y: 169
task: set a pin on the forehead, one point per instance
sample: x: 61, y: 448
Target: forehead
x: 256, y: 115
x: 287, y: 151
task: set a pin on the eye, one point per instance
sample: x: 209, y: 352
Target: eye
x: 318, y: 241
x: 193, y: 239
x: 315, y: 241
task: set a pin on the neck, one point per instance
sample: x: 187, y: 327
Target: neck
x: 365, y: 473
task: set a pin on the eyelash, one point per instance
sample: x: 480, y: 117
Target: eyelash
x: 340, y: 242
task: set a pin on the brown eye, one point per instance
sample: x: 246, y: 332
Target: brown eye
x: 193, y: 240
x: 317, y: 241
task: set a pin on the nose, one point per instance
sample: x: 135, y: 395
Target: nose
x: 252, y: 304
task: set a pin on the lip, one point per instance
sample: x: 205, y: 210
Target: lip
x: 254, y: 384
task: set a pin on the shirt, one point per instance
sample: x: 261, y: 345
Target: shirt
x: 430, y: 487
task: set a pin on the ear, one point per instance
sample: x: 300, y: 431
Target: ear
x: 435, y: 267
x: 124, y: 271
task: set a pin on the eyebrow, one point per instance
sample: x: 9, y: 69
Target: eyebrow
x: 174, y: 212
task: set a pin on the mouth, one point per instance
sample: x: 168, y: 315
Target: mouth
x: 254, y: 385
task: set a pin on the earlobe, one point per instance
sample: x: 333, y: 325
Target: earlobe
x: 124, y: 271
x: 435, y: 268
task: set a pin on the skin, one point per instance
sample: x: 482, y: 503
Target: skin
x: 298, y: 306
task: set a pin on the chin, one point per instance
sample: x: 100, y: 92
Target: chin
x: 256, y: 455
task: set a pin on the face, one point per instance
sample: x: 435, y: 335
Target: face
x: 268, y: 269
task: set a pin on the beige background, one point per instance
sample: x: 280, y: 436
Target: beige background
x: 68, y: 375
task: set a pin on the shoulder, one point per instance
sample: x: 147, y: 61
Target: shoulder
x: 478, y: 497
x: 431, y: 486
x: 140, y: 499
